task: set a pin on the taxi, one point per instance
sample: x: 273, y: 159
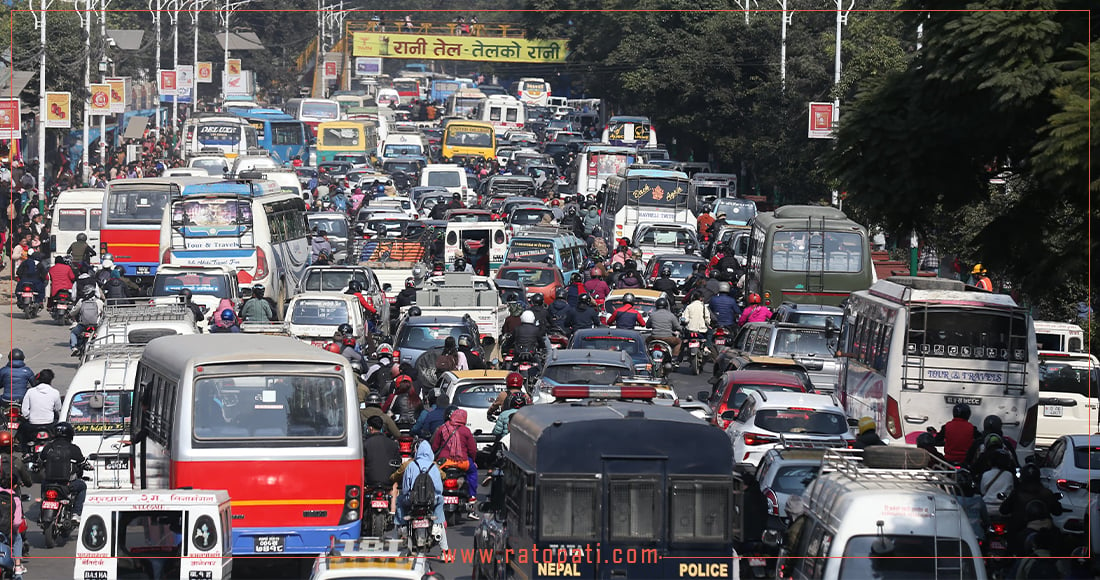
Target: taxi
x: 368, y: 558
x: 645, y: 301
x: 474, y: 392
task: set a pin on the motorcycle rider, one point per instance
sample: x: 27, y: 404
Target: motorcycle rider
x: 454, y: 441
x: 63, y: 462
x: 724, y: 307
x: 86, y: 311
x: 613, y: 278
x: 228, y: 323
x: 977, y: 457
x: 755, y: 311
x: 586, y: 315
x: 348, y: 348
x: 957, y: 435
x: 512, y: 321
x: 867, y: 435
x: 516, y: 401
x: 428, y: 422
x: 697, y: 320
x: 372, y: 407
x: 538, y: 308
x: 513, y: 384
x: 576, y: 290
x: 34, y: 272
x: 626, y: 316
x: 561, y: 314
x: 257, y: 309
x: 15, y: 378
x: 61, y: 277
x: 403, y: 403
x: 630, y: 277
x: 407, y: 297
x: 596, y: 287
x: 1027, y: 490
x: 665, y: 327
x: 462, y: 266
x: 466, y: 350
x: 196, y: 310
x: 79, y: 250
x: 12, y: 522
x: 665, y: 283
x: 41, y: 405
x: 423, y: 461
x: 355, y: 288
x: 320, y: 248
x: 16, y: 471
x: 381, y: 457
x: 529, y: 336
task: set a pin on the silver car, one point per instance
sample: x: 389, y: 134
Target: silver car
x: 813, y: 347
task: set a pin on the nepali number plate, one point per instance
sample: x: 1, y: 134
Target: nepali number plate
x: 1052, y: 410
x: 421, y: 523
x: 51, y: 505
x: 270, y: 544
x: 379, y: 503
x: 450, y: 499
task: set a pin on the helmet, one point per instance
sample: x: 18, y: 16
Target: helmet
x: 373, y: 400
x: 575, y: 279
x: 414, y: 311
x: 559, y: 294
x: 994, y: 442
x: 537, y: 299
x: 81, y: 237
x: 977, y: 269
x: 355, y: 286
x: 16, y: 354
x: 464, y: 340
x: 527, y: 317
x: 383, y: 349
x: 662, y: 304
x: 87, y: 292
x: 628, y: 298
x: 617, y: 267
x: 586, y: 298
x: 961, y: 411
x: 666, y: 272
x: 64, y: 430
x: 992, y: 424
x: 926, y: 440
x: 460, y: 264
x: 455, y: 196
x: 516, y: 401
x: 515, y: 309
x: 1029, y: 473
x: 228, y: 316
x: 754, y: 298
x: 258, y: 290
x: 345, y: 329
x: 333, y: 347
x: 410, y: 283
x: 724, y: 288
x: 514, y: 380
x: 689, y: 248
x: 866, y: 424
x: 186, y: 293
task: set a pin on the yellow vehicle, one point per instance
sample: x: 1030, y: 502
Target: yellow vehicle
x: 345, y: 137
x: 468, y: 140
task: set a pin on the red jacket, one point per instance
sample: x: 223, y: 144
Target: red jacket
x: 958, y: 436
x: 61, y: 278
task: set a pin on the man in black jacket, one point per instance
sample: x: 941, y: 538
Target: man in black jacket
x: 381, y: 458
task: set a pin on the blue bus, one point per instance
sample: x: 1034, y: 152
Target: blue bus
x: 443, y: 89
x: 284, y: 136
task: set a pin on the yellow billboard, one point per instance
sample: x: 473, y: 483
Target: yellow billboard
x: 440, y: 47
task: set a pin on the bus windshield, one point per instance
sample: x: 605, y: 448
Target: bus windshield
x: 656, y: 192
x: 136, y: 205
x: 320, y: 110
x: 257, y: 406
x: 218, y: 134
x: 466, y: 136
x: 342, y: 137
x: 287, y: 134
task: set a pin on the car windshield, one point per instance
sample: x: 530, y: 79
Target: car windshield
x: 330, y: 226
x: 901, y: 557
x: 258, y: 406
x: 477, y: 395
x: 1060, y: 377
x: 427, y: 337
x: 614, y: 303
x: 815, y: 319
x: 203, y: 284
x: 319, y: 313
x: 680, y: 268
x: 530, y: 276
x: 805, y: 421
x: 583, y: 374
x: 793, y: 479
x: 634, y: 347
x: 526, y: 217
x: 802, y: 341
x: 319, y: 280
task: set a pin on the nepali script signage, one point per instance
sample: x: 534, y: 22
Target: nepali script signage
x: 429, y: 46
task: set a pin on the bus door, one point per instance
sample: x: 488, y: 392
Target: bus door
x: 483, y: 245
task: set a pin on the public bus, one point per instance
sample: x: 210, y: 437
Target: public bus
x: 468, y: 140
x: 549, y: 245
x: 911, y: 348
x: 502, y: 112
x: 313, y: 112
x: 463, y: 103
x: 250, y: 226
x: 130, y: 222
x: 630, y: 132
x: 645, y: 193
x: 637, y: 503
x: 598, y: 162
x: 532, y: 92
x: 407, y: 89
x: 270, y: 419
x: 441, y: 90
x: 227, y: 135
x: 280, y: 134
x: 336, y: 137
x: 807, y: 254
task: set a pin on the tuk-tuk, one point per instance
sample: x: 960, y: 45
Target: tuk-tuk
x: 167, y: 533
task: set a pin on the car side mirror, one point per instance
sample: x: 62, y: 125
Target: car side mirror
x: 477, y: 432
x: 703, y: 395
x: 387, y: 287
x: 1002, y: 496
x: 853, y: 422
x: 730, y: 415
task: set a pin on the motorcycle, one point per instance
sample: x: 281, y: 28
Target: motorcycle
x: 695, y: 351
x: 85, y: 337
x: 380, y: 519
x: 56, y: 515
x: 557, y: 338
x: 997, y: 557
x: 14, y: 413
x: 60, y: 305
x: 422, y: 533
x: 34, y: 447
x: 527, y: 364
x: 456, y: 495
x: 661, y: 353
x: 28, y: 300
x: 721, y: 337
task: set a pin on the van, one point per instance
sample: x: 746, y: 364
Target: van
x: 503, y: 112
x: 287, y: 180
x: 166, y: 533
x: 449, y: 176
x: 549, y: 245
x: 1069, y: 387
x: 76, y: 211
x: 468, y: 239
x: 402, y: 145
x: 1059, y: 336
x: 867, y: 516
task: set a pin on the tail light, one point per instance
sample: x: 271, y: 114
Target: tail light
x: 166, y: 257
x: 773, y: 502
x: 767, y: 298
x: 13, y: 412
x: 379, y: 495
x: 51, y: 494
x: 758, y: 439
x: 405, y: 444
x: 893, y: 418
x: 451, y: 484
x: 1070, y: 485
x: 261, y: 264
x: 351, y: 503
x: 103, y: 248
x: 999, y: 529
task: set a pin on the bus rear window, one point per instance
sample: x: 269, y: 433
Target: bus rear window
x: 72, y: 220
x: 136, y: 205
x: 269, y: 407
x: 900, y: 557
x: 320, y: 313
x: 656, y: 192
x: 568, y: 510
x: 339, y: 138
x: 204, y: 284
x: 444, y: 179
x: 805, y: 251
x: 218, y: 134
x: 213, y: 216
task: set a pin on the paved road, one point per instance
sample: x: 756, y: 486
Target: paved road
x: 46, y: 346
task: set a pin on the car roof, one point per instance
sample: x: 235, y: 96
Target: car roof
x: 637, y: 292
x: 615, y: 332
x: 781, y: 399
x: 679, y: 258
x: 527, y: 266
x: 588, y: 356
x: 430, y: 320
x: 759, y: 376
x: 322, y: 296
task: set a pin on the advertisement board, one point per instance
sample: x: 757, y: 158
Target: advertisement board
x: 821, y: 120
x: 58, y: 115
x: 439, y: 47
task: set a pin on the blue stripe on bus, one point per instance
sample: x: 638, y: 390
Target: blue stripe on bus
x: 296, y: 540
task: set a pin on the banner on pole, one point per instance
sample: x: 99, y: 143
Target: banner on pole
x: 101, y: 99
x: 331, y: 69
x: 443, y: 47
x: 120, y: 95
x: 9, y: 119
x: 167, y: 82
x: 58, y: 105
x: 368, y: 66
x: 821, y: 120
x: 185, y: 78
x: 204, y: 72
x: 233, y: 67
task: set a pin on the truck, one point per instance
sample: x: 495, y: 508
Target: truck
x: 459, y: 293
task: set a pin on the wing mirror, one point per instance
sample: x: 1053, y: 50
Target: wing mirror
x: 730, y: 415
x: 703, y: 395
x: 387, y: 287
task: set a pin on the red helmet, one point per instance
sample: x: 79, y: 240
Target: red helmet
x: 754, y: 298
x: 514, y: 380
x: 333, y: 347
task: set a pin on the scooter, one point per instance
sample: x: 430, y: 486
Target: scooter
x: 695, y: 351
x: 661, y: 353
x: 60, y: 305
x: 28, y: 300
x: 421, y: 535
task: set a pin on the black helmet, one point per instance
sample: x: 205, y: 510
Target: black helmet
x: 373, y: 399
x: 992, y: 424
x: 16, y: 354
x: 617, y: 267
x: 662, y: 304
x: 258, y: 290
x: 64, y: 430
x: 537, y: 299
x: 414, y: 311
x: 1029, y: 473
x: 559, y: 294
x: 628, y: 298
x: 926, y: 440
x: 464, y: 340
x: 81, y: 237
x: 460, y: 264
x: 455, y: 196
x: 345, y: 329
x: 961, y: 411
x: 355, y: 287
x: 585, y: 298
x: 87, y: 291
x: 186, y: 293
x: 410, y: 283
x: 575, y: 278
x: 666, y: 272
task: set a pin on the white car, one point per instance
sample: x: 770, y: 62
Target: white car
x: 378, y: 559
x: 474, y: 392
x: 402, y: 204
x: 764, y: 418
x: 314, y: 317
x: 1065, y: 470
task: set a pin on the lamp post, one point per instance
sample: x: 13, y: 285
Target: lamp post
x: 155, y: 6
x: 196, y: 7
x: 786, y: 19
x: 841, y: 20
x: 174, y: 17
x: 103, y: 78
x: 40, y: 23
x: 230, y: 7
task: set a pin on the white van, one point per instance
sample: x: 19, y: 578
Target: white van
x: 286, y: 179
x: 402, y: 145
x: 450, y: 176
x: 504, y: 112
x: 1059, y: 337
x: 857, y: 508
x: 76, y: 211
x: 166, y: 533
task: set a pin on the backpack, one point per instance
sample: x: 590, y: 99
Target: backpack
x: 88, y: 313
x: 446, y: 362
x: 7, y: 514
x: 56, y: 466
x: 115, y: 288
x: 422, y: 492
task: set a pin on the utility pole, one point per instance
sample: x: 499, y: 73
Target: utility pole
x: 87, y: 22
x: 155, y: 7
x: 841, y: 20
x: 103, y: 78
x: 786, y: 19
x: 174, y: 15
x: 746, y: 5
x: 43, y: 5
x: 196, y: 6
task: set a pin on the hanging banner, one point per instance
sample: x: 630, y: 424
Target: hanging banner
x: 821, y: 120
x: 58, y: 114
x: 331, y: 69
x: 204, y: 72
x: 101, y: 99
x: 440, y: 47
x: 9, y: 119
x: 119, y: 93
x: 185, y: 78
x: 368, y: 66
x: 167, y: 82
x: 233, y: 67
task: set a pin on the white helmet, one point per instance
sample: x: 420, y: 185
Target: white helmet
x: 527, y: 317
x: 107, y: 264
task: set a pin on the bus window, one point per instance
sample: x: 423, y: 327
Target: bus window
x: 135, y: 205
x: 511, y: 115
x: 268, y: 406
x: 962, y: 333
x: 494, y: 113
x: 286, y: 134
x: 340, y: 137
x: 567, y: 263
x: 799, y: 250
x: 72, y: 220
x: 217, y: 134
x: 568, y: 509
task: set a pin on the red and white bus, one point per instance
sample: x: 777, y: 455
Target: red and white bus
x: 408, y: 89
x: 270, y: 419
x: 313, y: 112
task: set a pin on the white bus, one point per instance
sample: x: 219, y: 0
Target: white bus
x: 313, y: 112
x: 227, y: 135
x: 463, y: 103
x: 532, y: 92
x: 250, y: 226
x: 630, y: 132
x: 502, y: 112
x: 912, y: 348
x: 646, y: 194
x: 598, y: 162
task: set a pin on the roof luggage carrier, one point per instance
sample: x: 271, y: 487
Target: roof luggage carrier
x: 270, y: 328
x: 129, y: 311
x: 112, y: 349
x: 786, y: 441
x: 909, y: 465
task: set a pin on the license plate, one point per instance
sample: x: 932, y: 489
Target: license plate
x: 117, y: 463
x: 13, y: 425
x: 693, y: 344
x: 996, y: 545
x: 720, y: 341
x: 318, y: 343
x: 62, y: 306
x: 421, y: 523
x: 144, y: 271
x: 270, y: 544
x: 27, y: 294
x: 1052, y: 410
x: 51, y: 505
x: 380, y: 503
x: 524, y: 367
x: 756, y: 562
x: 450, y: 499
x: 38, y: 448
x: 555, y: 345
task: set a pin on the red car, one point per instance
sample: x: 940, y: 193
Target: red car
x: 537, y: 277
x: 732, y: 394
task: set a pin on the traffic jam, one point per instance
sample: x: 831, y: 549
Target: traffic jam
x: 461, y: 328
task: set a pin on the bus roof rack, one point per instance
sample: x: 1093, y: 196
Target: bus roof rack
x: 274, y: 328
x: 808, y: 211
x: 102, y: 348
x: 889, y: 464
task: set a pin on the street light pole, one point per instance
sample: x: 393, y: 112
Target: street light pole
x: 197, y: 6
x: 841, y: 20
x: 87, y: 22
x: 174, y: 15
x: 786, y: 19
x: 42, y: 6
x: 103, y: 79
x: 156, y: 63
